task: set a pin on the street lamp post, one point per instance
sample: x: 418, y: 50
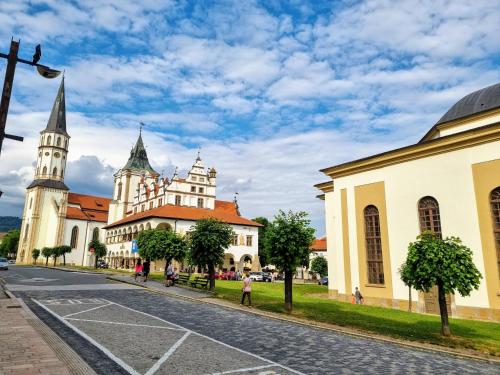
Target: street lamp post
x: 12, y: 60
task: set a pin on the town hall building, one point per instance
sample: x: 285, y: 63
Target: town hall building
x: 142, y: 200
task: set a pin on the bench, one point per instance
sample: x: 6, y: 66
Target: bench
x: 199, y: 281
x: 183, y: 279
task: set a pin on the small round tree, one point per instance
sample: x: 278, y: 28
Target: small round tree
x: 158, y: 244
x: 445, y: 263
x: 319, y: 265
x: 63, y: 250
x: 35, y: 254
x: 209, y: 239
x: 47, y: 253
x: 55, y: 254
x: 287, y: 242
x: 100, y: 250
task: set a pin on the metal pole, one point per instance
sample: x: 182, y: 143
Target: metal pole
x: 7, y: 87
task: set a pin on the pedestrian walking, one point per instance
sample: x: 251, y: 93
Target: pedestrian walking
x: 353, y: 299
x: 238, y: 275
x: 247, y: 290
x: 169, y: 271
x: 138, y: 270
x: 358, y: 296
x: 145, y: 270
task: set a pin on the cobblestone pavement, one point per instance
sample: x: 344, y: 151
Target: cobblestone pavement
x: 259, y: 341
x: 22, y: 349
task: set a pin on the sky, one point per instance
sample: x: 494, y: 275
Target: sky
x: 271, y: 91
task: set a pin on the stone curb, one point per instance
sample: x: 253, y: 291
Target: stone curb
x: 74, y: 363
x: 319, y: 325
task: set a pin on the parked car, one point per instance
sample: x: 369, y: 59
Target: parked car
x: 256, y: 276
x: 12, y: 261
x: 323, y: 281
x: 266, y: 277
x: 4, y: 265
x: 102, y: 264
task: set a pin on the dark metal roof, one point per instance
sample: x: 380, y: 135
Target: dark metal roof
x: 52, y: 184
x: 57, y: 119
x: 476, y: 102
x: 138, y: 159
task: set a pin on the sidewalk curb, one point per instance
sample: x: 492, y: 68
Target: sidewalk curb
x: 325, y: 326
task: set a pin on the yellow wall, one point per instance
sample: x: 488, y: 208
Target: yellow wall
x: 345, y: 242
x: 365, y: 195
x: 486, y: 177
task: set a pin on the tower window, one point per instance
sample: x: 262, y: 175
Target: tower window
x: 193, y: 189
x: 143, y: 208
x: 160, y: 202
x: 62, y: 172
x: 200, y: 202
x: 54, y: 172
x: 31, y: 202
x: 44, y: 171
x: 177, y: 200
x: 58, y: 142
x: 150, y: 205
x: 200, y: 190
x: 49, y: 140
x: 65, y: 143
x: 26, y: 231
x: 119, y: 195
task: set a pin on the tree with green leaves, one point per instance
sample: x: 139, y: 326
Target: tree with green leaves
x: 63, y: 250
x: 287, y: 242
x: 47, y: 253
x: 159, y: 244
x: 55, y: 254
x: 319, y: 265
x: 209, y: 239
x: 8, y: 247
x: 262, y: 232
x: 447, y: 264
x: 99, y: 250
x: 35, y: 253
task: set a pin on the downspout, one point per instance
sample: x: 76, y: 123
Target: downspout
x: 85, y: 242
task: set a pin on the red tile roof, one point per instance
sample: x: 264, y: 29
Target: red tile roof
x: 319, y: 244
x: 222, y: 212
x: 89, y: 207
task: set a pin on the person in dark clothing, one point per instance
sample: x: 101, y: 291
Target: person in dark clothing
x: 145, y: 270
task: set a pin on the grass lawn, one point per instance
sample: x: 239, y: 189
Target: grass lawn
x: 309, y: 302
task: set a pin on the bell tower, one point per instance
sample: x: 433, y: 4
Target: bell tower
x: 46, y: 197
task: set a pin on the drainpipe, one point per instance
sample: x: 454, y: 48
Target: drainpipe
x: 85, y: 242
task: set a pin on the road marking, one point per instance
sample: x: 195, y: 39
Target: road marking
x: 84, y: 311
x: 214, y: 340
x: 124, y: 324
x: 90, y: 339
x: 243, y: 369
x: 72, y: 302
x: 167, y: 355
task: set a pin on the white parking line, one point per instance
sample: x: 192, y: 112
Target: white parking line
x: 130, y: 370
x: 124, y: 324
x: 243, y: 369
x: 84, y: 311
x: 167, y: 355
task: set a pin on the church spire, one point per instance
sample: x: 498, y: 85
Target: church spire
x: 57, y: 119
x: 138, y: 159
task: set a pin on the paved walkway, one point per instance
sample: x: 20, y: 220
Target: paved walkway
x: 23, y: 351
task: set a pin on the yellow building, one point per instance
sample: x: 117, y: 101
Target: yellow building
x: 448, y: 182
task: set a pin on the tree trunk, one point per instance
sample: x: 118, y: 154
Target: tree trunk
x: 53, y: 265
x: 409, y: 298
x: 64, y: 260
x: 95, y: 264
x: 46, y: 261
x: 288, y: 290
x: 445, y: 326
x: 211, y: 275
x: 35, y: 261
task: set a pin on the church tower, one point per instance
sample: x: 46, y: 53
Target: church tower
x: 47, y: 196
x: 127, y: 180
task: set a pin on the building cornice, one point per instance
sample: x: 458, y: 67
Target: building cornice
x: 473, y: 137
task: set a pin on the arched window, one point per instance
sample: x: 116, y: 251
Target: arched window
x: 373, y: 246
x: 200, y: 202
x: 428, y: 212
x: 62, y: 172
x: 44, y: 171
x: 58, y: 142
x: 95, y: 234
x: 177, y: 200
x: 54, y: 172
x: 26, y: 231
x: 74, y: 237
x: 119, y: 195
x: 495, y: 211
x: 66, y: 143
x: 49, y: 139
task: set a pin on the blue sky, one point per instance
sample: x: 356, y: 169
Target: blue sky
x: 271, y: 91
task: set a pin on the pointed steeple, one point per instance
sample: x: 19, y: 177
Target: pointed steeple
x: 57, y: 119
x: 138, y: 159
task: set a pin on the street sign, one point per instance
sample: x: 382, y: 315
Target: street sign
x: 135, y: 248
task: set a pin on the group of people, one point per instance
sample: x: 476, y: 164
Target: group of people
x: 171, y: 275
x: 356, y: 297
x: 142, y: 270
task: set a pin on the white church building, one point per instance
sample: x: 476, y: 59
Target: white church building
x: 55, y: 216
